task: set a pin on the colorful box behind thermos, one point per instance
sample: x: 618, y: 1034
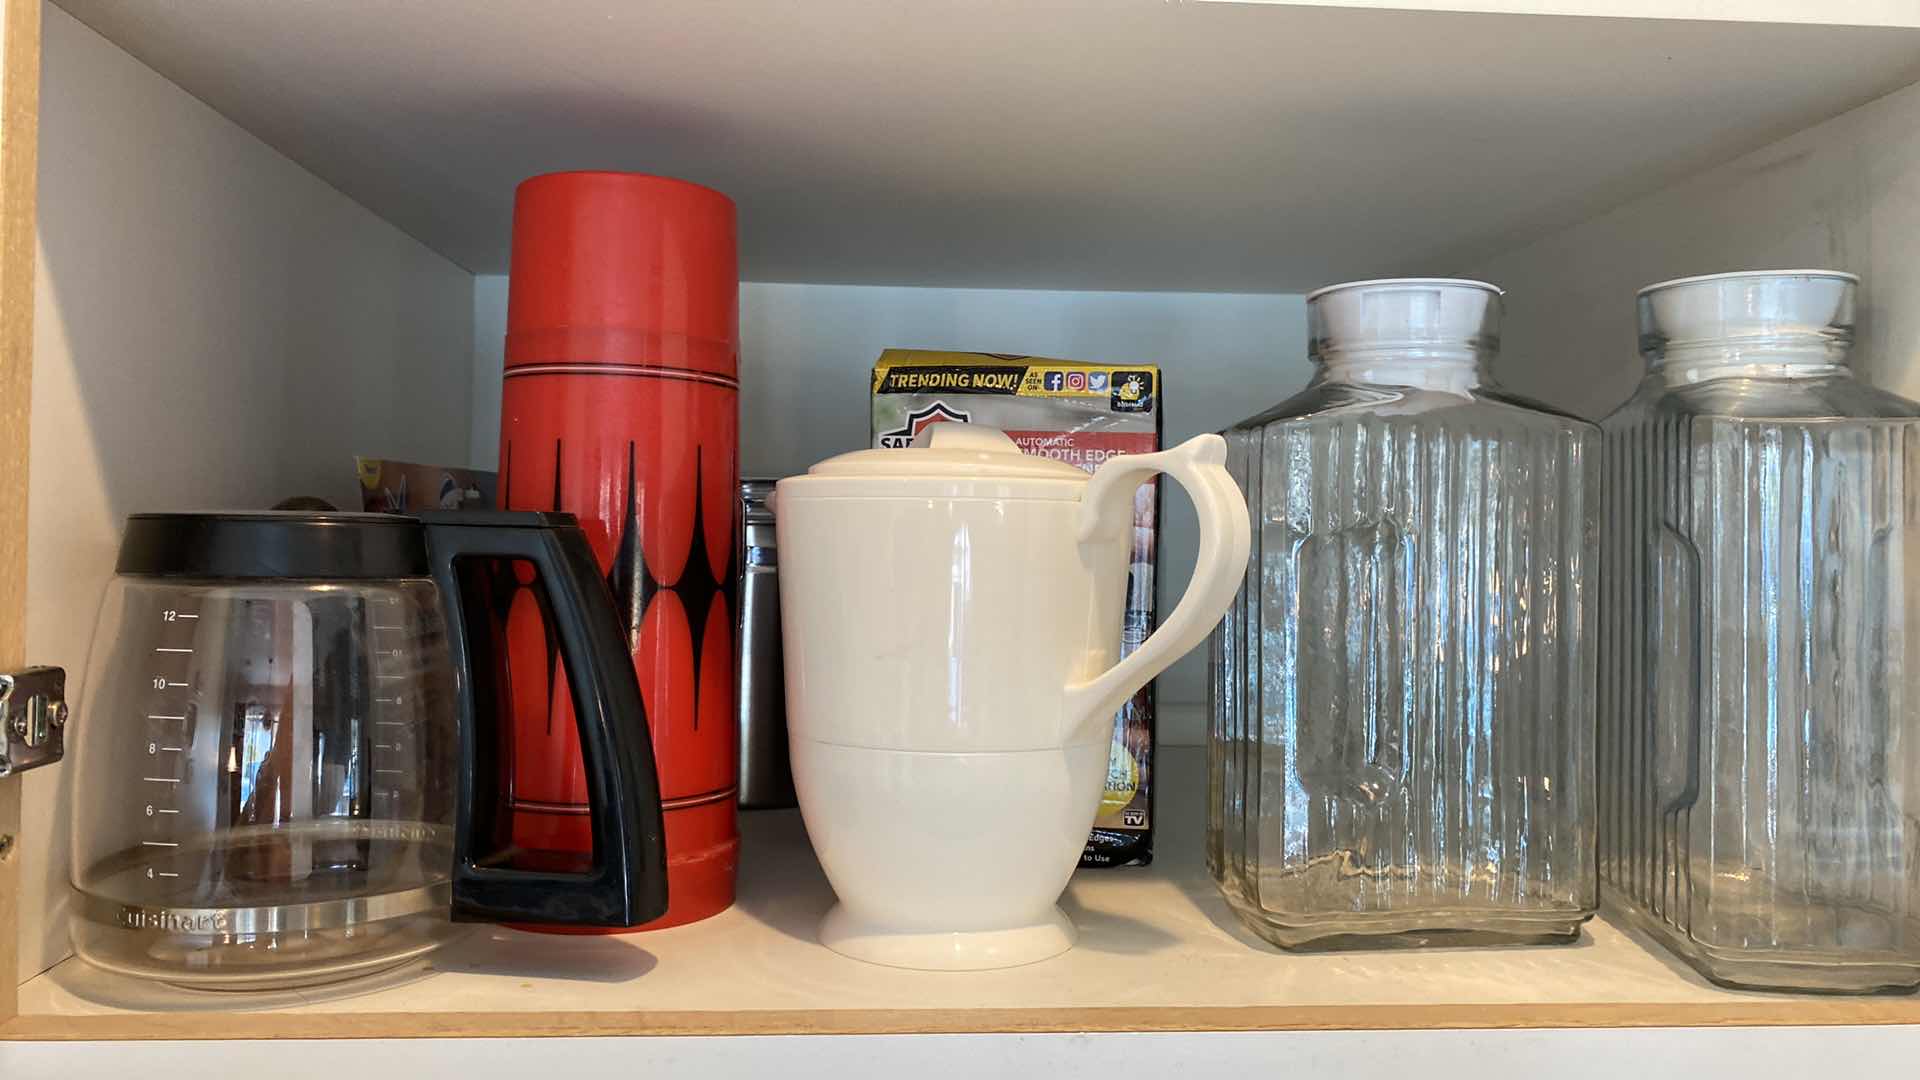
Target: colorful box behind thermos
x: 1082, y: 414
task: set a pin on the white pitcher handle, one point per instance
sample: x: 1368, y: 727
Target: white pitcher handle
x: 1106, y: 516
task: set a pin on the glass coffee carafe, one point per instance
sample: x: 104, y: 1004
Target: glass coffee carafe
x: 1402, y: 743
x: 1759, y: 751
x: 292, y: 755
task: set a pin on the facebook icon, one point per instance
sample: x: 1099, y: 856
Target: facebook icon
x: 1054, y: 380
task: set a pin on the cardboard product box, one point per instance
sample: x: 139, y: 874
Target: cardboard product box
x: 404, y: 487
x: 1082, y: 414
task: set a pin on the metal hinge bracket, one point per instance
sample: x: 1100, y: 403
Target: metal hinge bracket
x: 33, y: 718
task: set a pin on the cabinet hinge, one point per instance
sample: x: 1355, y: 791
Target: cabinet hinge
x: 33, y: 718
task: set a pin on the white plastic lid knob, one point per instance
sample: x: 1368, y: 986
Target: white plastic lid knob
x: 948, y: 450
x: 1746, y: 305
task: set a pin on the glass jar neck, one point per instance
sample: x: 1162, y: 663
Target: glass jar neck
x: 1436, y: 334
x: 1770, y: 324
x: 1808, y: 356
x: 1444, y: 368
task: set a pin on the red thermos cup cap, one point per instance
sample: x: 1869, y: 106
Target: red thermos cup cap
x: 623, y: 268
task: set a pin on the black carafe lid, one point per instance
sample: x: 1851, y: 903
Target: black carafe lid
x: 260, y: 544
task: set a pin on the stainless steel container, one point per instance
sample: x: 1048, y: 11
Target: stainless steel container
x: 765, y: 780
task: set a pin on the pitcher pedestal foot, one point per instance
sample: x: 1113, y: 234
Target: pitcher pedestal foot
x: 936, y: 950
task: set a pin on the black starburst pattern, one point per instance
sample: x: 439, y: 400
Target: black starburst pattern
x: 634, y: 585
x: 631, y: 581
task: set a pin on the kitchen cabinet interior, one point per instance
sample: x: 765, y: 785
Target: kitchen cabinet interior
x: 269, y: 232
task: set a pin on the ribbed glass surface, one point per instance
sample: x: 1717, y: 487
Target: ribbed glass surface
x: 1758, y: 745
x: 1402, y: 744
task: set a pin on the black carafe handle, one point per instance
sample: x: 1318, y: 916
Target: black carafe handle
x: 625, y: 883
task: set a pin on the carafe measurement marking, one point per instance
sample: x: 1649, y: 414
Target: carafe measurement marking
x: 172, y: 741
x: 389, y: 661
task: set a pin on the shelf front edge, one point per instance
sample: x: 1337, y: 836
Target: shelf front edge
x: 311, y: 1025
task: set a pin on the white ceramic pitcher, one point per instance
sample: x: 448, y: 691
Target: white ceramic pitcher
x: 951, y: 614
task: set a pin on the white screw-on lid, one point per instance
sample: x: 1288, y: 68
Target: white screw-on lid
x: 1748, y: 304
x: 950, y: 450
x: 1403, y: 312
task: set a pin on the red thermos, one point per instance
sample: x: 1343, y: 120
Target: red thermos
x: 621, y: 407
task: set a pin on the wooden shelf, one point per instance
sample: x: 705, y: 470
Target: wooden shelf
x: 1159, y: 951
x: 1056, y: 144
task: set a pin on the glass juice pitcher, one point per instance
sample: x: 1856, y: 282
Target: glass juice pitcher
x: 1759, y: 751
x: 1402, y: 743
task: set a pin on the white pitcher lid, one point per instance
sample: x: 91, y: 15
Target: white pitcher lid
x: 951, y: 449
